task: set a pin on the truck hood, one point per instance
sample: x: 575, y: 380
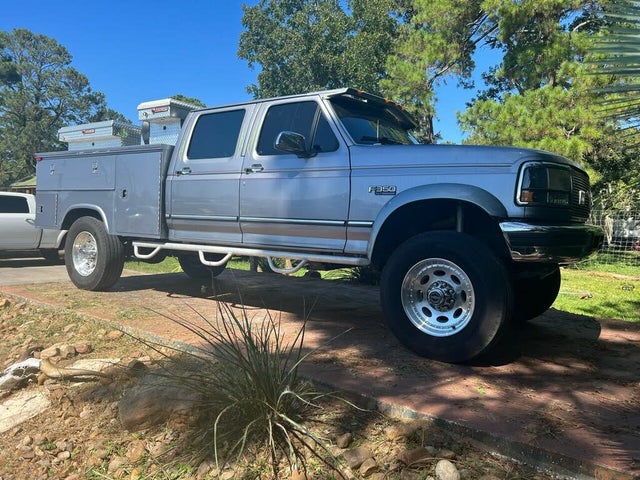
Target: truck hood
x: 461, y: 155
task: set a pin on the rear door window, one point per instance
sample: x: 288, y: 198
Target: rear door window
x: 216, y: 135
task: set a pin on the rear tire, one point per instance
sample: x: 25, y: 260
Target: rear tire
x: 94, y: 259
x: 447, y: 296
x: 194, y: 268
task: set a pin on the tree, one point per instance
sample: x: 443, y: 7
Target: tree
x: 436, y: 40
x: 304, y: 45
x: 39, y: 93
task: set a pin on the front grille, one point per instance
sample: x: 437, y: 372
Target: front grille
x: 580, y: 192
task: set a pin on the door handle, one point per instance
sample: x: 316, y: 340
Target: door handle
x: 255, y: 168
x: 184, y: 171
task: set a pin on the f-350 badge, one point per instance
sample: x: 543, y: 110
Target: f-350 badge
x: 383, y: 189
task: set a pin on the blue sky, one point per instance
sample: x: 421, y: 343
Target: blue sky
x: 144, y: 50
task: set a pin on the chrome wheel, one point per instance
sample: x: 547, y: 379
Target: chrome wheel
x: 438, y: 297
x: 84, y: 253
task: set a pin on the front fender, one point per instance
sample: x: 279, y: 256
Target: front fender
x: 443, y: 191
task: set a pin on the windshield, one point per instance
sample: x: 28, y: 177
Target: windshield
x: 371, y: 123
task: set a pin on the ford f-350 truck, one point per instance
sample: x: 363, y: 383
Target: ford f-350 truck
x: 469, y: 239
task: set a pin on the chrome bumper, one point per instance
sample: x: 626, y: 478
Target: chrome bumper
x: 554, y: 244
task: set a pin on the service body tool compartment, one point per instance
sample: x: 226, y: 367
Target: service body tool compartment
x: 124, y: 186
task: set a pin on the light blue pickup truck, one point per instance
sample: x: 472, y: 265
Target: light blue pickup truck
x: 468, y: 239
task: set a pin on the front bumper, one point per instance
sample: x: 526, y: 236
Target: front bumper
x: 551, y: 243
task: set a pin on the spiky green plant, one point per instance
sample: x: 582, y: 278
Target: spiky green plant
x: 246, y: 376
x: 618, y: 54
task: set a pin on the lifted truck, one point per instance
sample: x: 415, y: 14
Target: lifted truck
x: 469, y: 239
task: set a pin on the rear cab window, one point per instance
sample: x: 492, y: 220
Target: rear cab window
x: 13, y: 204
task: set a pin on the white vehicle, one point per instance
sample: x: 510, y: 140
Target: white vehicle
x: 18, y: 231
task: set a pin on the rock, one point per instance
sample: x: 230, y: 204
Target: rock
x: 136, y: 450
x: 50, y: 352
x: 344, y: 440
x: 67, y: 351
x: 356, y: 456
x: 445, y: 470
x: 83, y: 348
x: 155, y: 400
x: 5, y: 303
x: 400, y: 431
x: 416, y: 457
x: 115, y: 334
x: 369, y: 467
x: 64, y: 455
x: 69, y: 327
x: 446, y: 454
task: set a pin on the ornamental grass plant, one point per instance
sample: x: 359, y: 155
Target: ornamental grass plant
x: 252, y: 401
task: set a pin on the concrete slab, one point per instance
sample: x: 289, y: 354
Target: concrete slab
x: 22, y: 406
x: 23, y: 270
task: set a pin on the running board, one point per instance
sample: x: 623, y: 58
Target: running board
x: 305, y: 258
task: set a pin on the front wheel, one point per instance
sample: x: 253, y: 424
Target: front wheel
x: 94, y: 259
x: 446, y: 296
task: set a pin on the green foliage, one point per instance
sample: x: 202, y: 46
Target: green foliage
x: 191, y: 100
x: 246, y: 375
x: 39, y: 93
x: 437, y: 40
x: 548, y: 118
x: 303, y: 45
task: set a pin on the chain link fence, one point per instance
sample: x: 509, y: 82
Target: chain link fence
x: 621, y: 237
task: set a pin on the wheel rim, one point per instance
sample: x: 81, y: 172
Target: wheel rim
x: 84, y: 253
x: 438, y: 297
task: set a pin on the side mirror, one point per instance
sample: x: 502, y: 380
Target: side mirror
x: 292, y: 142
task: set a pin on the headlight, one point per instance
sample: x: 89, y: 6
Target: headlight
x: 544, y: 184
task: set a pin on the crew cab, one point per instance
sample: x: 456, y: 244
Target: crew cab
x: 18, y: 231
x: 469, y: 239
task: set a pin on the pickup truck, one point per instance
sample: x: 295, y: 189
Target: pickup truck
x: 18, y: 231
x: 468, y: 239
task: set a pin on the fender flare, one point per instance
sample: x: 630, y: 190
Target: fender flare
x: 442, y: 191
x: 86, y: 207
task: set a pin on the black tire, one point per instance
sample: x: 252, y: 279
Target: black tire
x: 94, y: 259
x: 534, y: 296
x: 446, y: 296
x: 194, y: 268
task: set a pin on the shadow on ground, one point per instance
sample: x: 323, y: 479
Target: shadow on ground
x: 569, y: 394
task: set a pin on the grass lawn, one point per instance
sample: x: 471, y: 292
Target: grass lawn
x: 600, y: 293
x: 596, y: 292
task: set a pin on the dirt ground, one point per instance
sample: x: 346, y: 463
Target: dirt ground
x: 566, y: 397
